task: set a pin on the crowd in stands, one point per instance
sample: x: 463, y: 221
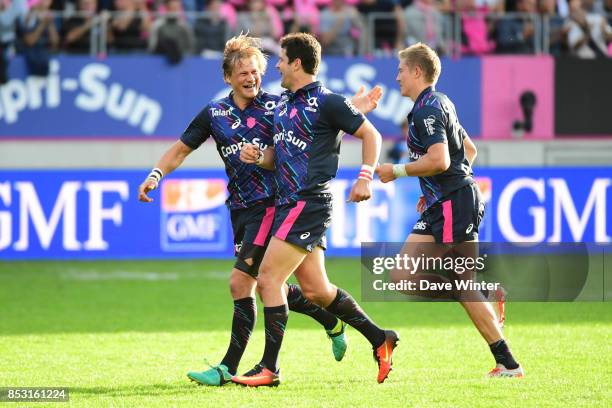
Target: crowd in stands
x: 174, y: 28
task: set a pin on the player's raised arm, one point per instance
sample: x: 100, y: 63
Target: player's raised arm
x: 253, y: 155
x: 170, y: 160
x: 370, y: 152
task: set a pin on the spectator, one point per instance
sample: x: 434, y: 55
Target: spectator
x: 130, y: 24
x: 171, y: 36
x: 514, y: 34
x: 557, y: 28
x: 305, y: 16
x: 340, y: 28
x: 387, y: 31
x: 78, y: 28
x: 588, y: 33
x: 211, y: 30
x: 491, y: 6
x: 39, y: 36
x: 10, y: 13
x: 262, y: 21
x: 424, y: 23
x: 475, y: 28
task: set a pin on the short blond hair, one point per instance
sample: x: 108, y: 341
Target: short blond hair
x: 240, y: 47
x: 425, y: 57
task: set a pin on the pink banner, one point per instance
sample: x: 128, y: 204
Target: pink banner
x: 504, y: 79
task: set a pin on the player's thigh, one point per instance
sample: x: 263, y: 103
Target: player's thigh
x: 312, y: 276
x: 241, y: 284
x: 417, y: 246
x: 279, y: 262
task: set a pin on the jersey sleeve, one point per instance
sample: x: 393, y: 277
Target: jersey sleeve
x: 342, y: 114
x: 430, y: 123
x: 198, y: 130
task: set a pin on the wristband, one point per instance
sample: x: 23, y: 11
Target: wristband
x: 156, y: 175
x: 399, y: 170
x: 366, y: 172
x: 261, y: 158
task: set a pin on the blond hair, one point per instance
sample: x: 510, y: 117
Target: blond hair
x: 425, y: 57
x: 239, y: 47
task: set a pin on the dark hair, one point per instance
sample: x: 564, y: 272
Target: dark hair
x: 305, y: 47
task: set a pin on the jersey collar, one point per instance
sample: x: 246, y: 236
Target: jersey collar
x: 257, y: 101
x: 422, y: 94
x: 305, y: 88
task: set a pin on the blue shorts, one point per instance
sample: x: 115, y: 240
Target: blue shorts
x: 304, y: 223
x: 251, y: 227
x: 454, y: 218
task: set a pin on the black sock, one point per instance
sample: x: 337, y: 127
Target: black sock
x: 346, y: 309
x: 245, y: 312
x: 298, y: 303
x: 502, y: 354
x: 276, y: 321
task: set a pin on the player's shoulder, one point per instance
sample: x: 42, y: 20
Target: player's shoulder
x: 219, y: 107
x: 432, y: 103
x: 333, y: 101
x: 268, y: 101
x: 433, y: 100
x: 267, y: 96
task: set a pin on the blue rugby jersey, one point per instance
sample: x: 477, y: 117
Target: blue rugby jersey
x: 307, y: 138
x: 231, y: 128
x: 433, y: 119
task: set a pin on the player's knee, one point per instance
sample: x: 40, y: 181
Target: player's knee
x: 241, y: 285
x: 317, y: 296
x: 266, y: 281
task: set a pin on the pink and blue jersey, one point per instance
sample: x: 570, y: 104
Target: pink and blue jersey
x: 230, y: 128
x: 307, y: 138
x: 433, y: 119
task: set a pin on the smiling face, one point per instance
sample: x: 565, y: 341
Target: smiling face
x: 245, y: 79
x: 285, y: 69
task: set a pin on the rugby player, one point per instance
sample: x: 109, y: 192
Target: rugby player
x: 246, y: 115
x: 308, y: 122
x: 451, y: 208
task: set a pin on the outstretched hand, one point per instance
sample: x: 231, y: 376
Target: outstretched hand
x: 367, y: 102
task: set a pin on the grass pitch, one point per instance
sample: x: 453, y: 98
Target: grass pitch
x: 126, y: 333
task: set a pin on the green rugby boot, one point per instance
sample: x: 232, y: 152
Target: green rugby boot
x: 215, y: 376
x: 338, y: 339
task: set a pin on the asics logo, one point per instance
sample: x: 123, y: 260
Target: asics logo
x: 421, y: 226
x: 305, y: 235
x: 270, y: 106
x: 236, y: 123
x: 469, y: 228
